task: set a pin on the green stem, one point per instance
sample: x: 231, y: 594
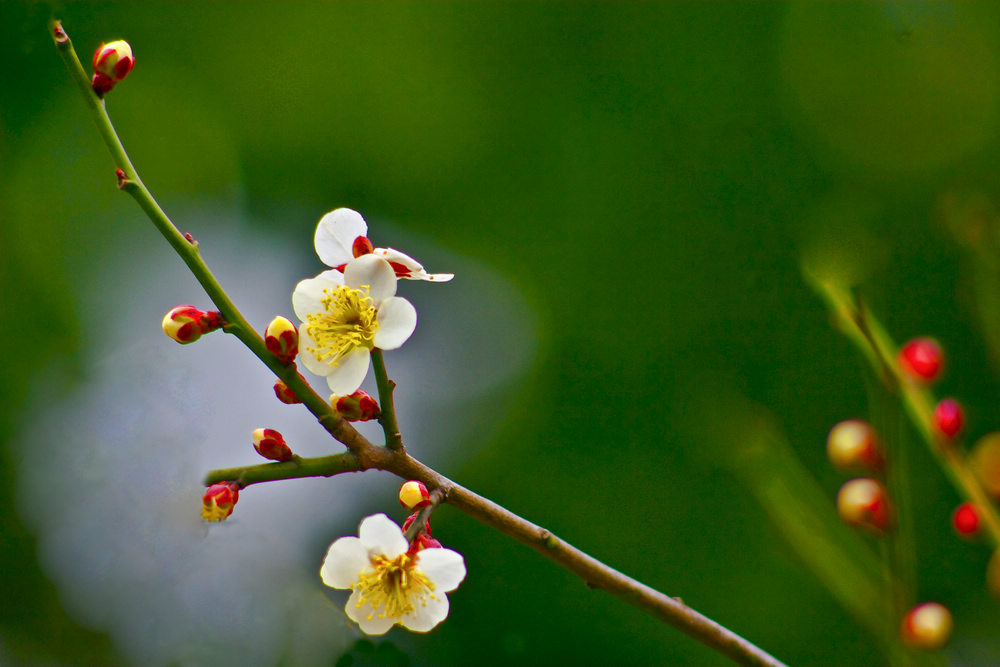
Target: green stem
x: 870, y: 337
x: 387, y: 417
x: 393, y: 458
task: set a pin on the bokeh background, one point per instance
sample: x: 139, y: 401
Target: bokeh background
x: 629, y: 355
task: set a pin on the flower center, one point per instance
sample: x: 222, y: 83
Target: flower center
x: 394, y: 587
x: 346, y: 323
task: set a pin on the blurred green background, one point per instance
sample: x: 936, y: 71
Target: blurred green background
x: 649, y: 178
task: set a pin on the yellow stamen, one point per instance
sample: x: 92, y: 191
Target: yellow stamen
x: 347, y: 323
x: 394, y: 586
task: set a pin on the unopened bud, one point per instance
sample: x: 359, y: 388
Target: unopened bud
x: 219, y: 501
x: 927, y: 626
x: 284, y: 394
x: 112, y: 63
x: 852, y: 444
x: 921, y: 359
x: 282, y: 339
x: 985, y: 463
x: 863, y: 502
x: 413, y: 495
x: 271, y: 445
x: 186, y: 324
x: 424, y: 541
x: 965, y: 519
x: 949, y: 418
x: 358, y: 407
x: 413, y: 517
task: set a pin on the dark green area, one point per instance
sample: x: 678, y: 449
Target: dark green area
x: 646, y: 174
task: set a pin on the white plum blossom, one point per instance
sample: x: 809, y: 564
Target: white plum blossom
x: 346, y: 315
x: 341, y: 235
x: 390, y: 583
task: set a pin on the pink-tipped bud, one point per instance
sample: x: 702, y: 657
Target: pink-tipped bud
x: 112, y: 63
x: 852, y: 445
x: 927, y: 626
x: 219, y: 501
x: 864, y: 503
x: 362, y: 246
x: 186, y: 324
x: 965, y: 519
x: 413, y: 495
x: 922, y: 360
x: 424, y: 541
x: 949, y: 418
x: 358, y: 407
x: 282, y: 339
x: 284, y: 394
x: 271, y: 445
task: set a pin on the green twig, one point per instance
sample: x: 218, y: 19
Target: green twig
x: 387, y: 416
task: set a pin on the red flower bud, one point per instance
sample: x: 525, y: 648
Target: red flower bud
x: 965, y: 519
x: 864, y: 503
x: 949, y: 417
x: 921, y: 359
x: 927, y: 626
x: 282, y: 339
x: 358, y: 407
x: 271, y: 445
x: 413, y: 495
x: 219, y: 501
x: 413, y: 517
x: 112, y: 63
x: 284, y: 394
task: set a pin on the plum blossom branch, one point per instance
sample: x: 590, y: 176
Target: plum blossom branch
x: 386, y: 387
x: 363, y: 455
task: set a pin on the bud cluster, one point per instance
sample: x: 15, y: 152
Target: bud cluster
x: 413, y: 495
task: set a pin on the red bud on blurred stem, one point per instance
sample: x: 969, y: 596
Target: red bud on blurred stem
x: 271, y: 444
x: 921, y: 360
x: 219, y: 501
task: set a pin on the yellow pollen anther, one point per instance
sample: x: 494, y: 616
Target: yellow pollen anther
x: 347, y: 323
x: 393, y: 586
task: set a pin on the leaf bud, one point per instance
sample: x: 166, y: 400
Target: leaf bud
x: 358, y: 407
x: 219, y: 501
x: 413, y: 495
x: 271, y: 445
x: 282, y: 339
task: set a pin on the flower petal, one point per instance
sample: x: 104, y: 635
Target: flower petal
x: 397, y: 318
x: 348, y: 374
x: 374, y: 272
x: 427, y: 614
x: 307, y: 358
x: 445, y: 567
x: 366, y: 616
x: 307, y: 298
x: 333, y: 275
x: 409, y: 268
x: 346, y: 558
x: 335, y: 235
x: 381, y: 535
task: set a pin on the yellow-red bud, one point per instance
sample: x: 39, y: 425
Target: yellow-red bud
x: 413, y: 495
x: 864, y: 502
x: 284, y: 393
x: 852, y: 444
x: 927, y: 626
x: 358, y: 407
x: 219, y: 501
x: 282, y: 339
x: 271, y: 445
x: 186, y: 324
x: 112, y: 63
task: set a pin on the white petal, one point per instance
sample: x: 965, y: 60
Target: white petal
x: 397, y: 318
x: 345, y: 560
x: 375, y: 626
x: 335, y: 235
x: 333, y: 275
x: 374, y: 272
x: 307, y: 358
x: 427, y: 614
x: 409, y: 268
x: 348, y: 374
x: 308, y: 296
x: 381, y: 535
x: 446, y: 568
